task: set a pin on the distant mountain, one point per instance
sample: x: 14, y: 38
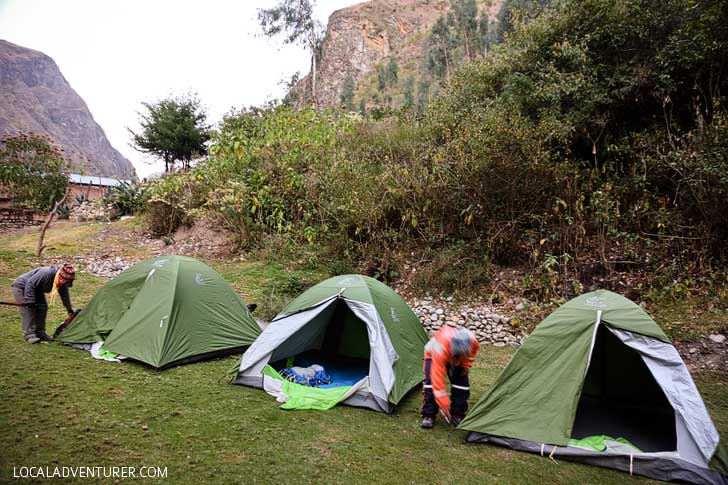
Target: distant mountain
x: 35, y: 97
x: 379, y: 53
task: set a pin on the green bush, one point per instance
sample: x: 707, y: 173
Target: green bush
x: 126, y: 198
x: 592, y: 137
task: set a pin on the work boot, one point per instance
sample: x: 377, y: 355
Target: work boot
x: 46, y: 338
x: 32, y: 340
x: 456, y: 420
x: 427, y: 422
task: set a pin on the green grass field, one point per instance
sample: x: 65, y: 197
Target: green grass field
x: 61, y: 407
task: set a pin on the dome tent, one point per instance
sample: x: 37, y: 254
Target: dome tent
x: 165, y: 311
x: 367, y: 337
x: 600, y: 367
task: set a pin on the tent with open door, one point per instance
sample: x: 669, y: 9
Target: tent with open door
x: 164, y: 311
x: 598, y: 382
x: 368, y: 340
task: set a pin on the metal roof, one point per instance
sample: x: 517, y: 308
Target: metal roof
x: 90, y: 180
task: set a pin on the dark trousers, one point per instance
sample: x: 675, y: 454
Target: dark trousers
x: 32, y: 318
x: 459, y: 391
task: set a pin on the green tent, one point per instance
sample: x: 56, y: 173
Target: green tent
x: 599, y: 367
x: 363, y: 333
x: 164, y: 311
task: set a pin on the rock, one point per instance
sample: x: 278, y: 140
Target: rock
x: 717, y: 338
x: 692, y: 350
x: 35, y: 97
x: 440, y: 311
x: 520, y: 307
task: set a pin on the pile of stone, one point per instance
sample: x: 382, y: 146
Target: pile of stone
x: 107, y: 267
x: 487, y: 325
x: 93, y: 210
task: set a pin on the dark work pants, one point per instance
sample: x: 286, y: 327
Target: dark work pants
x: 32, y: 318
x: 459, y: 391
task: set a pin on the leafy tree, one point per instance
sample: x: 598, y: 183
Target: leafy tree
x: 33, y: 171
x: 514, y: 11
x: 423, y: 95
x: 294, y: 19
x: 381, y: 78
x: 392, y: 71
x: 347, y: 93
x: 439, y: 55
x: 409, y: 92
x: 466, y: 25
x: 173, y: 129
x: 291, y: 96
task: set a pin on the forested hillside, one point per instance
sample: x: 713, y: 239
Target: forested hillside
x: 588, y: 148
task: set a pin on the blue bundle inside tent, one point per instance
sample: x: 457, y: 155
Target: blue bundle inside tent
x: 312, y: 376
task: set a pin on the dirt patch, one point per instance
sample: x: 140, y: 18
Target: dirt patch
x: 202, y: 239
x: 708, y: 353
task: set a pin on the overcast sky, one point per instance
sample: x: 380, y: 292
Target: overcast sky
x: 116, y: 54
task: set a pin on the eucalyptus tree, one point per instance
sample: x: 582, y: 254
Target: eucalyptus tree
x: 295, y: 21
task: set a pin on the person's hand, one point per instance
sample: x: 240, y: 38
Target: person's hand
x: 70, y: 311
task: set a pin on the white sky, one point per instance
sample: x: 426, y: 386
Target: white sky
x: 117, y: 54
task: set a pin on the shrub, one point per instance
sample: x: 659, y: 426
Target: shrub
x: 126, y: 198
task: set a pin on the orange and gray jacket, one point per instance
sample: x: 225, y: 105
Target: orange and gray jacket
x: 439, y: 349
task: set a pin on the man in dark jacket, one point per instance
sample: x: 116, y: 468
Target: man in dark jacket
x: 29, y: 290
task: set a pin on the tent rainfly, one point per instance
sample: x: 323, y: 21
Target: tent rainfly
x: 165, y: 311
x: 367, y: 338
x: 598, y: 382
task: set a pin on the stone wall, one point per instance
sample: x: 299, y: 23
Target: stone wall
x: 13, y: 217
x: 488, y: 325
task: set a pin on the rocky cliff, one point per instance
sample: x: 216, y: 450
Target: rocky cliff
x: 362, y: 39
x: 35, y: 97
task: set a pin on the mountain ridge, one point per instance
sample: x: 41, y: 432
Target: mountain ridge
x: 35, y: 97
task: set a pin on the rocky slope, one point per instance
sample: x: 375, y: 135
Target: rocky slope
x: 35, y: 97
x: 364, y: 37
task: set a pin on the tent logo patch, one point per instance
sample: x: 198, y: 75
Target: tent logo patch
x: 160, y: 263
x: 199, y: 280
x: 395, y: 318
x: 596, y: 302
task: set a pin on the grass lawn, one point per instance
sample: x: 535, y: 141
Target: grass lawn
x: 61, y: 407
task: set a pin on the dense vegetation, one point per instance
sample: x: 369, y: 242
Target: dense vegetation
x: 592, y: 141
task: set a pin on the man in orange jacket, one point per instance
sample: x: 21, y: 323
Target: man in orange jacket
x: 450, y: 351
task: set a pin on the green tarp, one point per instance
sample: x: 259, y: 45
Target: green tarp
x: 600, y: 443
x: 165, y: 310
x: 304, y: 397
